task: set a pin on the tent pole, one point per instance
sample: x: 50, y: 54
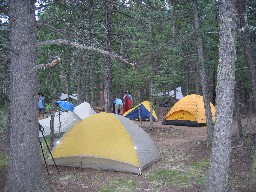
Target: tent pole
x: 59, y: 125
x: 41, y: 129
x: 45, y: 164
x: 140, y: 117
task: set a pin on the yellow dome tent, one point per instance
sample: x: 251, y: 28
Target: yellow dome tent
x: 188, y: 111
x: 106, y: 141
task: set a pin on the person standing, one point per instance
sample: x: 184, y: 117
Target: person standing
x: 118, y: 106
x: 127, y: 98
x: 40, y: 105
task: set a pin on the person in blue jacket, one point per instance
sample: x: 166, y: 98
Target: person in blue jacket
x: 40, y: 105
x: 118, y: 105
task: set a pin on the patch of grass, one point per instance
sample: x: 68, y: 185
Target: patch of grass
x: 201, y: 165
x: 125, y: 185
x: 3, y: 160
x: 193, y: 174
x: 177, y: 178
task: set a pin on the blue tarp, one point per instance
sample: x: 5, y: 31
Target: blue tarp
x: 65, y: 106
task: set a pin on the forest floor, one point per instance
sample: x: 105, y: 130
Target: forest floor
x: 183, y: 166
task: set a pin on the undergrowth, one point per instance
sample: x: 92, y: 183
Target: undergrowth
x: 126, y: 185
x: 190, y: 174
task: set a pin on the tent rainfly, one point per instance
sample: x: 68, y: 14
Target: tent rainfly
x: 188, y: 111
x: 141, y: 112
x: 106, y: 141
x: 64, y: 120
x: 84, y: 110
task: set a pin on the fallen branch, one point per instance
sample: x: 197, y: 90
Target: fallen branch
x: 48, y: 65
x: 80, y: 46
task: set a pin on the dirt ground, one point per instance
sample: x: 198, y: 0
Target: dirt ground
x: 182, y: 168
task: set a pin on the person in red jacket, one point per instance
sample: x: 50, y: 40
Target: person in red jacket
x: 127, y: 98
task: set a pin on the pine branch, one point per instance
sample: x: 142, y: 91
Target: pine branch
x: 81, y: 46
x: 48, y: 65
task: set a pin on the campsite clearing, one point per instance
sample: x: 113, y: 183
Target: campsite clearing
x: 182, y: 167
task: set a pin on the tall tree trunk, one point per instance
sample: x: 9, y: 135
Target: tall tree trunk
x: 197, y: 78
x: 90, y: 57
x: 70, y: 62
x: 80, y: 97
x: 101, y: 93
x: 24, y: 173
x: 66, y: 72
x: 243, y: 25
x: 151, y: 99
x: 203, y: 75
x: 88, y: 90
x: 108, y: 67
x: 220, y: 155
x: 52, y: 112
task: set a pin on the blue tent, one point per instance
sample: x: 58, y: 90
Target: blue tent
x: 65, y: 106
x: 141, y: 112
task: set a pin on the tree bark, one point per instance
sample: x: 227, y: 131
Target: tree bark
x: 221, y: 145
x: 90, y: 57
x: 24, y: 173
x: 52, y: 95
x: 151, y: 99
x: 203, y: 75
x: 81, y: 94
x: 108, y: 66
